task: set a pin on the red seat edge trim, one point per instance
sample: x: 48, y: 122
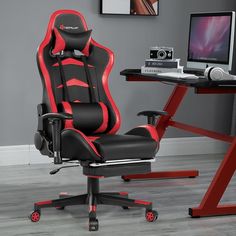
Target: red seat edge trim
x: 152, y: 130
x: 86, y: 139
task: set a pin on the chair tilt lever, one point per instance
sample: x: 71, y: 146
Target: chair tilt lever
x: 151, y: 115
x: 53, y: 172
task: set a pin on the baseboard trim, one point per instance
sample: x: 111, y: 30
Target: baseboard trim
x: 191, y: 146
x: 27, y: 154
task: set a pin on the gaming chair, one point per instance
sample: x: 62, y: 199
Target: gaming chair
x: 78, y: 119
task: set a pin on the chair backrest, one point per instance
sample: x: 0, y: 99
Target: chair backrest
x: 84, y: 90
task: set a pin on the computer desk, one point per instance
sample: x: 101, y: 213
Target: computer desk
x: 209, y: 205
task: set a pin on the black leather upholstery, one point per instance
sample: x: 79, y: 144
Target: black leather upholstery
x: 77, y: 146
x: 89, y: 117
x: 108, y: 147
x: 115, y: 147
x: 73, y: 39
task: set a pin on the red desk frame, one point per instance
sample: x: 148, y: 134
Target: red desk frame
x: 209, y: 205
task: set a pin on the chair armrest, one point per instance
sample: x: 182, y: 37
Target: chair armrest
x: 51, y: 117
x: 151, y: 115
x: 60, y: 116
x: 55, y: 122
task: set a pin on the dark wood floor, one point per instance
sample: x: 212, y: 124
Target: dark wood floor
x: 21, y: 186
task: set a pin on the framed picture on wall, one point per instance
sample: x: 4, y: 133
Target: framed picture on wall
x: 130, y: 7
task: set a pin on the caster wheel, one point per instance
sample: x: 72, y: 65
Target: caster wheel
x: 125, y: 208
x: 151, y: 216
x: 60, y: 208
x: 35, y: 216
x: 125, y: 180
x: 93, y: 225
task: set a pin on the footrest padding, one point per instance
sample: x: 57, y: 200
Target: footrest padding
x: 118, y: 170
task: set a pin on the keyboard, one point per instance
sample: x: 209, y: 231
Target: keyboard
x: 179, y: 75
x: 195, y: 72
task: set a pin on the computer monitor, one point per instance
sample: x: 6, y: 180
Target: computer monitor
x: 211, y: 40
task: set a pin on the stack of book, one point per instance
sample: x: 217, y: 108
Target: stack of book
x: 155, y: 66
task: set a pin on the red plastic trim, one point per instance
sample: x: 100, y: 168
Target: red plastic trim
x: 150, y: 216
x: 152, y: 130
x: 92, y: 208
x: 60, y: 42
x: 72, y: 61
x: 141, y: 202
x: 35, y: 216
x: 43, y: 203
x: 93, y: 138
x: 105, y: 77
x: 95, y: 177
x: 74, y: 82
x: 68, y: 109
x: 104, y: 124
x: 123, y: 193
x: 86, y: 139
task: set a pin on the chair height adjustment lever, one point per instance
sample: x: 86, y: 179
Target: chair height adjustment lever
x: 151, y: 115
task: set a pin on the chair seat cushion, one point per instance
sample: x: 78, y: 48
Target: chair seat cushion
x: 138, y: 143
x: 117, y: 147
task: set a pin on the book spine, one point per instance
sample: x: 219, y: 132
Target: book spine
x: 162, y: 64
x: 151, y: 70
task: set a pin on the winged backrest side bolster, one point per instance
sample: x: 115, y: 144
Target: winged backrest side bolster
x: 105, y: 83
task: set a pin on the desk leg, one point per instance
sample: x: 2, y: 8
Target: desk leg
x: 209, y: 205
x: 171, y: 107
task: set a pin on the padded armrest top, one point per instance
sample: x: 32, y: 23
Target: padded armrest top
x: 152, y: 113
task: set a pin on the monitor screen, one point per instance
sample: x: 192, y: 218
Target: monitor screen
x: 210, y: 38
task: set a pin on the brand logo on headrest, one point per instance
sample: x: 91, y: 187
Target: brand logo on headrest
x: 68, y: 27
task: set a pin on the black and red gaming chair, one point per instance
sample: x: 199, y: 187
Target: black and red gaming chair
x: 78, y: 119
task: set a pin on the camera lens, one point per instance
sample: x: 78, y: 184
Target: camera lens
x: 161, y: 54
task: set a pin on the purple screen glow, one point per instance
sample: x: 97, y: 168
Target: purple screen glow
x: 210, y: 38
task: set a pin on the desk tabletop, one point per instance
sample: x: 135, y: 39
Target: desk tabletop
x: 136, y: 75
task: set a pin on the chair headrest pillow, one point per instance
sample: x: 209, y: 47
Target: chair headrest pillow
x: 67, y: 40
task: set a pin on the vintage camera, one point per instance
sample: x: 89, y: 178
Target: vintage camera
x: 162, y: 53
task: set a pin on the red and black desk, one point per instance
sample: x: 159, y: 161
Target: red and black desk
x: 209, y: 205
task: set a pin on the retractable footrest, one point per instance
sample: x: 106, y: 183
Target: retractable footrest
x: 118, y: 170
